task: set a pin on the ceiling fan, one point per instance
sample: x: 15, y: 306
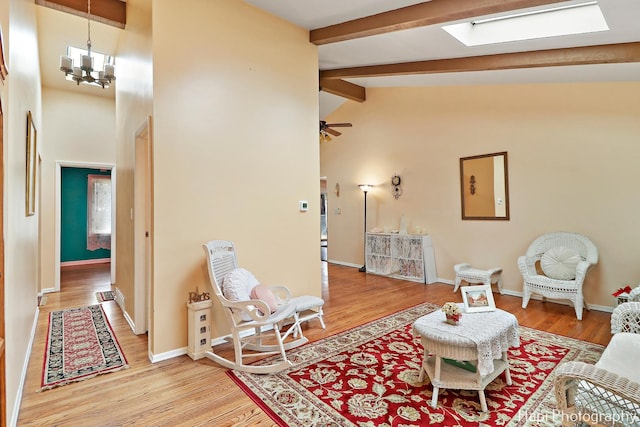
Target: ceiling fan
x: 326, y: 129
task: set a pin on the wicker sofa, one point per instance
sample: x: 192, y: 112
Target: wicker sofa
x: 607, y: 393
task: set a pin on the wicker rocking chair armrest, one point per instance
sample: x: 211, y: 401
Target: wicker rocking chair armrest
x: 257, y: 309
x: 634, y: 295
x: 281, y: 292
x: 569, y: 373
x: 527, y: 266
x: 626, y: 318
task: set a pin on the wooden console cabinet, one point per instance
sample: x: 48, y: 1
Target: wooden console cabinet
x: 403, y: 256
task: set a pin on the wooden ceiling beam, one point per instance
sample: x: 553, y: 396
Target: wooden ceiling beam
x: 110, y: 12
x: 586, y: 55
x: 419, y: 15
x: 344, y: 89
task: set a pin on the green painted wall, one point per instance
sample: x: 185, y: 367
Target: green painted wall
x: 73, y: 227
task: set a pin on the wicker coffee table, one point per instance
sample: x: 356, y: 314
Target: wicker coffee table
x: 481, y: 338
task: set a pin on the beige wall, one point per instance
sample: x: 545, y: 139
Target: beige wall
x: 87, y: 139
x: 133, y: 107
x: 235, y: 149
x: 572, y: 148
x: 21, y: 93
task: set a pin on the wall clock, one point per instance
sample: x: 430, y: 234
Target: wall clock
x: 395, y: 182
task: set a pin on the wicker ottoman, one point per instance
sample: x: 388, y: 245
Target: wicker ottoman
x: 475, y: 276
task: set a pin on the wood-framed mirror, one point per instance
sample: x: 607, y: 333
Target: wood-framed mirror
x: 484, y: 187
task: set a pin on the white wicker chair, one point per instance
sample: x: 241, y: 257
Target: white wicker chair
x: 249, y: 335
x: 537, y: 283
x: 607, y: 393
x: 634, y: 295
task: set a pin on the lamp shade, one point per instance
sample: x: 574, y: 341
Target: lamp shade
x: 66, y: 64
x: 365, y: 187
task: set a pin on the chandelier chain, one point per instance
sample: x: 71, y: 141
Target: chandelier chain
x: 89, y: 26
x: 83, y: 72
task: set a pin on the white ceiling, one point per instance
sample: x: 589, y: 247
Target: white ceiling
x: 58, y: 29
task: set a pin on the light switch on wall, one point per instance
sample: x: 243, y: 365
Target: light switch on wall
x: 337, y: 211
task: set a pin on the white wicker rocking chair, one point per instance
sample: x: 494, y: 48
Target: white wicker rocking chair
x: 607, y: 393
x: 250, y: 327
x: 584, y: 255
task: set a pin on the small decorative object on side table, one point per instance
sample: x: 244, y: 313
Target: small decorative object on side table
x: 452, y: 312
x: 199, y: 324
x: 622, y: 295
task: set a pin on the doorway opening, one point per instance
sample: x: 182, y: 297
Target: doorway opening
x: 75, y: 168
x: 143, y: 230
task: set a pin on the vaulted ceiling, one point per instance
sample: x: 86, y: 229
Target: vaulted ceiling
x: 365, y: 43
x: 382, y: 43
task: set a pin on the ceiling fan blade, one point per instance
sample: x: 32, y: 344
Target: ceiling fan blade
x: 332, y: 132
x: 340, y: 125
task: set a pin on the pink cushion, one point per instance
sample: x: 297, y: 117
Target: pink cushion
x: 263, y: 293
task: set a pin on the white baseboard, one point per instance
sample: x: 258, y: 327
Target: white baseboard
x: 154, y: 358
x: 119, y: 298
x: 23, y: 376
x: 346, y: 264
x: 85, y: 262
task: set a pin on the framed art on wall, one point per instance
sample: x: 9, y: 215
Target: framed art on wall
x: 31, y: 162
x: 477, y: 298
x: 484, y: 187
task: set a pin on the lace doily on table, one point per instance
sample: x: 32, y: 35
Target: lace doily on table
x: 493, y: 332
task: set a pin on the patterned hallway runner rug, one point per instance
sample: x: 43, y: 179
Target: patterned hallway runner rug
x: 368, y: 376
x: 80, y: 345
x: 105, y: 296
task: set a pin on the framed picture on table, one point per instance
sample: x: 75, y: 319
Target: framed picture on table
x: 477, y: 298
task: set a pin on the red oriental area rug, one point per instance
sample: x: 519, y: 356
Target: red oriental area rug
x: 80, y: 344
x: 368, y: 376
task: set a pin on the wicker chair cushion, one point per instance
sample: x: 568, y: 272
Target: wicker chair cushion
x: 560, y: 263
x: 616, y: 357
x: 263, y: 293
x: 237, y: 285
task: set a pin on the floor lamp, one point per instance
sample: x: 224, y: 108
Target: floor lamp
x: 365, y: 188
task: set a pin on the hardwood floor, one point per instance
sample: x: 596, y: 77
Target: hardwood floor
x: 184, y: 392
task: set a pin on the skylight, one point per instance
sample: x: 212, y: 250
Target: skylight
x: 99, y: 59
x: 558, y: 21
